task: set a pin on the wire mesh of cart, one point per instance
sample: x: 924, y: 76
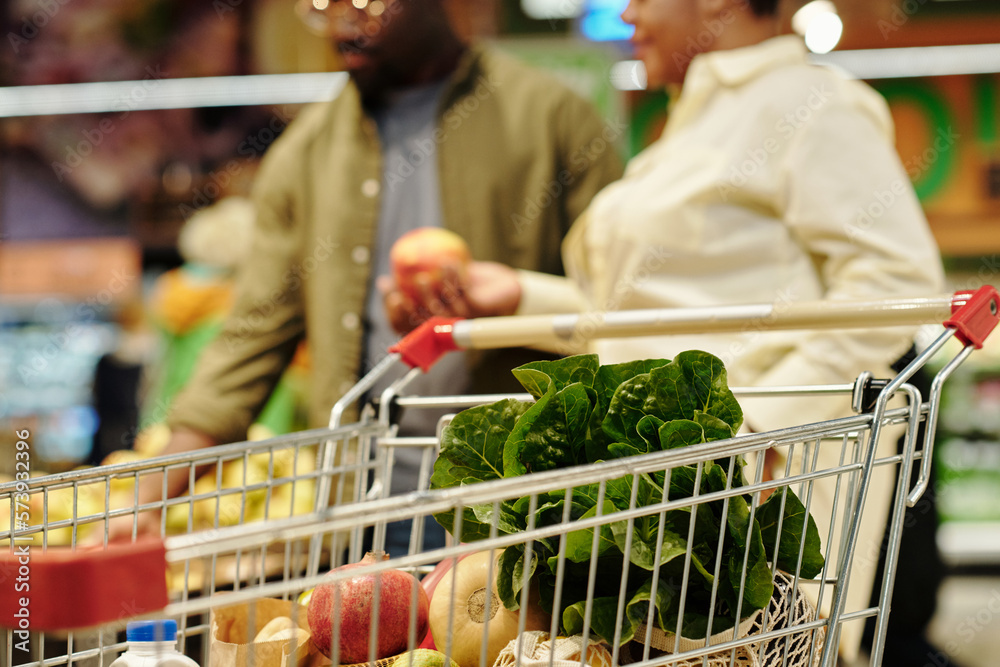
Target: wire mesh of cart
x: 685, y: 552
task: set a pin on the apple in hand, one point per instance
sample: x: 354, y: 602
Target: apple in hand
x: 423, y: 257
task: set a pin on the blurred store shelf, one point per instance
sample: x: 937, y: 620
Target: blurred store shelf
x: 917, y: 61
x: 160, y: 93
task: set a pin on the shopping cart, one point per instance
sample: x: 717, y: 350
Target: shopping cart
x: 725, y: 555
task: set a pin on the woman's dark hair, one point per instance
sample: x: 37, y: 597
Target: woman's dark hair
x: 763, y: 7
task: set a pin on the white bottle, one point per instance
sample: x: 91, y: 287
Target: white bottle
x: 152, y: 644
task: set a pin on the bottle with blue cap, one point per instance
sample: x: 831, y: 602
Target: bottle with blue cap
x: 152, y: 644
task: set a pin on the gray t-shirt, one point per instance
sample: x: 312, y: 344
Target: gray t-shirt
x: 411, y: 198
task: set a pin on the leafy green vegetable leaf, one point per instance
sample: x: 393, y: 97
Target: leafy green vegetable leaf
x: 628, y: 406
x: 648, y: 429
x: 791, y: 534
x: 471, y: 452
x: 644, y: 539
x: 610, y: 377
x: 537, y: 376
x: 470, y: 529
x: 748, y: 547
x: 621, y: 450
x: 472, y: 445
x: 510, y: 579
x: 668, y: 596
x: 714, y: 428
x: 585, y: 413
x: 580, y: 543
x: 680, y: 433
x: 603, y: 618
x: 693, y: 382
x: 508, y: 520
x: 551, y: 434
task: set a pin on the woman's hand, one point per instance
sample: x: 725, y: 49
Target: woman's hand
x: 485, y: 289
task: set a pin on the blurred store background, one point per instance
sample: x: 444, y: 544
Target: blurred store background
x: 98, y: 179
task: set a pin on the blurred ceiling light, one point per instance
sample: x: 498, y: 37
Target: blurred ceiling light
x: 177, y: 179
x: 629, y: 75
x: 552, y: 9
x: 321, y: 4
x: 820, y: 25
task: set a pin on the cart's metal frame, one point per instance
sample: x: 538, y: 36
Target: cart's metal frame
x: 283, y: 554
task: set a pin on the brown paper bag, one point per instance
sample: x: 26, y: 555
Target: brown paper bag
x: 232, y: 636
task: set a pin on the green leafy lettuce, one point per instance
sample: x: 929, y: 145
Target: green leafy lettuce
x: 584, y: 413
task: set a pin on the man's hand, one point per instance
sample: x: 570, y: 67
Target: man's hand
x: 488, y: 289
x: 151, y: 490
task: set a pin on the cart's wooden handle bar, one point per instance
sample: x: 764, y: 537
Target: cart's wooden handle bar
x: 973, y: 315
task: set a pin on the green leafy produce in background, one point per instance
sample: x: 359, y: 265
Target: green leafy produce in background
x: 584, y: 413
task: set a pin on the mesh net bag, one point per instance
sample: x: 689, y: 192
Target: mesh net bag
x: 799, y: 649
x: 535, y: 649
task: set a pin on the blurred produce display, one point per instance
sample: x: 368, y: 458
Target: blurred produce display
x: 240, y: 490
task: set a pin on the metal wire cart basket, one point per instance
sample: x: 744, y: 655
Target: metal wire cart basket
x: 665, y: 541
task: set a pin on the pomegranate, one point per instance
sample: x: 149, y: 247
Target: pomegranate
x: 347, y: 604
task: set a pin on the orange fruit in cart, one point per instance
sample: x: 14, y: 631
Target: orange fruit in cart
x: 426, y: 255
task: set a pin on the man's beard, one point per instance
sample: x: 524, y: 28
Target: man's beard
x: 375, y: 84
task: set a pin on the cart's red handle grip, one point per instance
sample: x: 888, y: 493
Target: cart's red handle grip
x: 974, y: 315
x: 427, y: 343
x: 64, y: 589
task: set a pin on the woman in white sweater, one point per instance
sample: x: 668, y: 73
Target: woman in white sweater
x: 774, y: 181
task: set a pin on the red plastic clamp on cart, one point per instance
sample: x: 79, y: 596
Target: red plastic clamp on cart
x: 974, y: 315
x: 430, y: 341
x: 63, y: 589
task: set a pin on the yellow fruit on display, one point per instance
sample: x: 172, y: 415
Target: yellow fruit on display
x: 305, y: 597
x: 258, y: 432
x: 125, y: 483
x: 4, y: 519
x: 177, y: 519
x: 204, y: 510
x: 65, y: 504
x: 292, y: 499
x: 152, y: 440
x: 122, y: 456
x: 233, y: 505
x: 231, y: 510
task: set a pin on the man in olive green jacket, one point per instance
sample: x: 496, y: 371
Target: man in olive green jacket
x: 517, y: 157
